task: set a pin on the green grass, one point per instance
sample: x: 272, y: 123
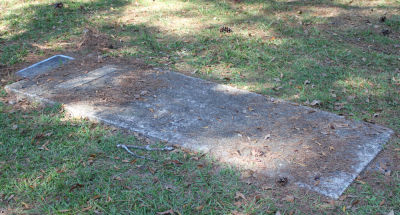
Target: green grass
x: 111, y: 181
x: 275, y: 47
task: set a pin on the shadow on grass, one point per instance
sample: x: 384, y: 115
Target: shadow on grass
x: 43, y: 23
x: 49, y: 165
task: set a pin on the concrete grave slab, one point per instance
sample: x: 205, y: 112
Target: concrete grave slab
x: 314, y: 149
x: 44, y: 66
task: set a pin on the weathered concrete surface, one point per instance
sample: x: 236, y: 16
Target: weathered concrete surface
x: 315, y: 149
x: 44, y: 66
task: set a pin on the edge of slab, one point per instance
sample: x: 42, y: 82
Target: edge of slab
x: 20, y: 72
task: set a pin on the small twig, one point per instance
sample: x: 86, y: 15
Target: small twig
x: 148, y: 148
x: 133, y: 154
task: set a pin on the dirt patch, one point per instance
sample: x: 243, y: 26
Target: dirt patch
x: 93, y: 40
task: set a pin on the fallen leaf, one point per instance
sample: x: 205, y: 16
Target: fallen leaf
x: 77, y: 185
x: 199, y: 208
x: 331, y: 202
x: 267, y: 188
x: 382, y: 202
x: 86, y: 209
x: 391, y: 212
x: 96, y: 197
x: 176, y: 162
x: 289, y: 198
x: 239, y: 195
x: 117, y: 178
x: 342, y: 197
x: 355, y: 202
x: 26, y: 206
x: 152, y: 170
x: 359, y: 181
x: 170, y: 187
x: 44, y: 146
x: 315, y: 102
x: 238, y: 203
x: 170, y: 211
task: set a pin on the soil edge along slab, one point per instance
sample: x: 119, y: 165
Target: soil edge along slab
x: 314, y: 149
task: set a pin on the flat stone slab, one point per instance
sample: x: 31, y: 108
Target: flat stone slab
x: 314, y: 149
x: 44, y: 66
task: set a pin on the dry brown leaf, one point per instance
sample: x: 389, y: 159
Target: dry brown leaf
x: 239, y: 195
x: 176, y: 162
x: 238, y: 203
x: 86, y: 209
x: 342, y: 197
x: 117, y: 178
x: 26, y: 206
x: 170, y: 187
x: 199, y: 208
x: 289, y: 198
x: 77, y: 185
x: 96, y: 197
x: 170, y: 211
x: 355, y: 202
x: 315, y: 102
x: 267, y: 188
x: 382, y: 202
x: 152, y: 170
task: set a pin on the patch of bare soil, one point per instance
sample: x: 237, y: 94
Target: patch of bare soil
x: 93, y: 40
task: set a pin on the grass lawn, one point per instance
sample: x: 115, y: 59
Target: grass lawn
x: 343, y: 53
